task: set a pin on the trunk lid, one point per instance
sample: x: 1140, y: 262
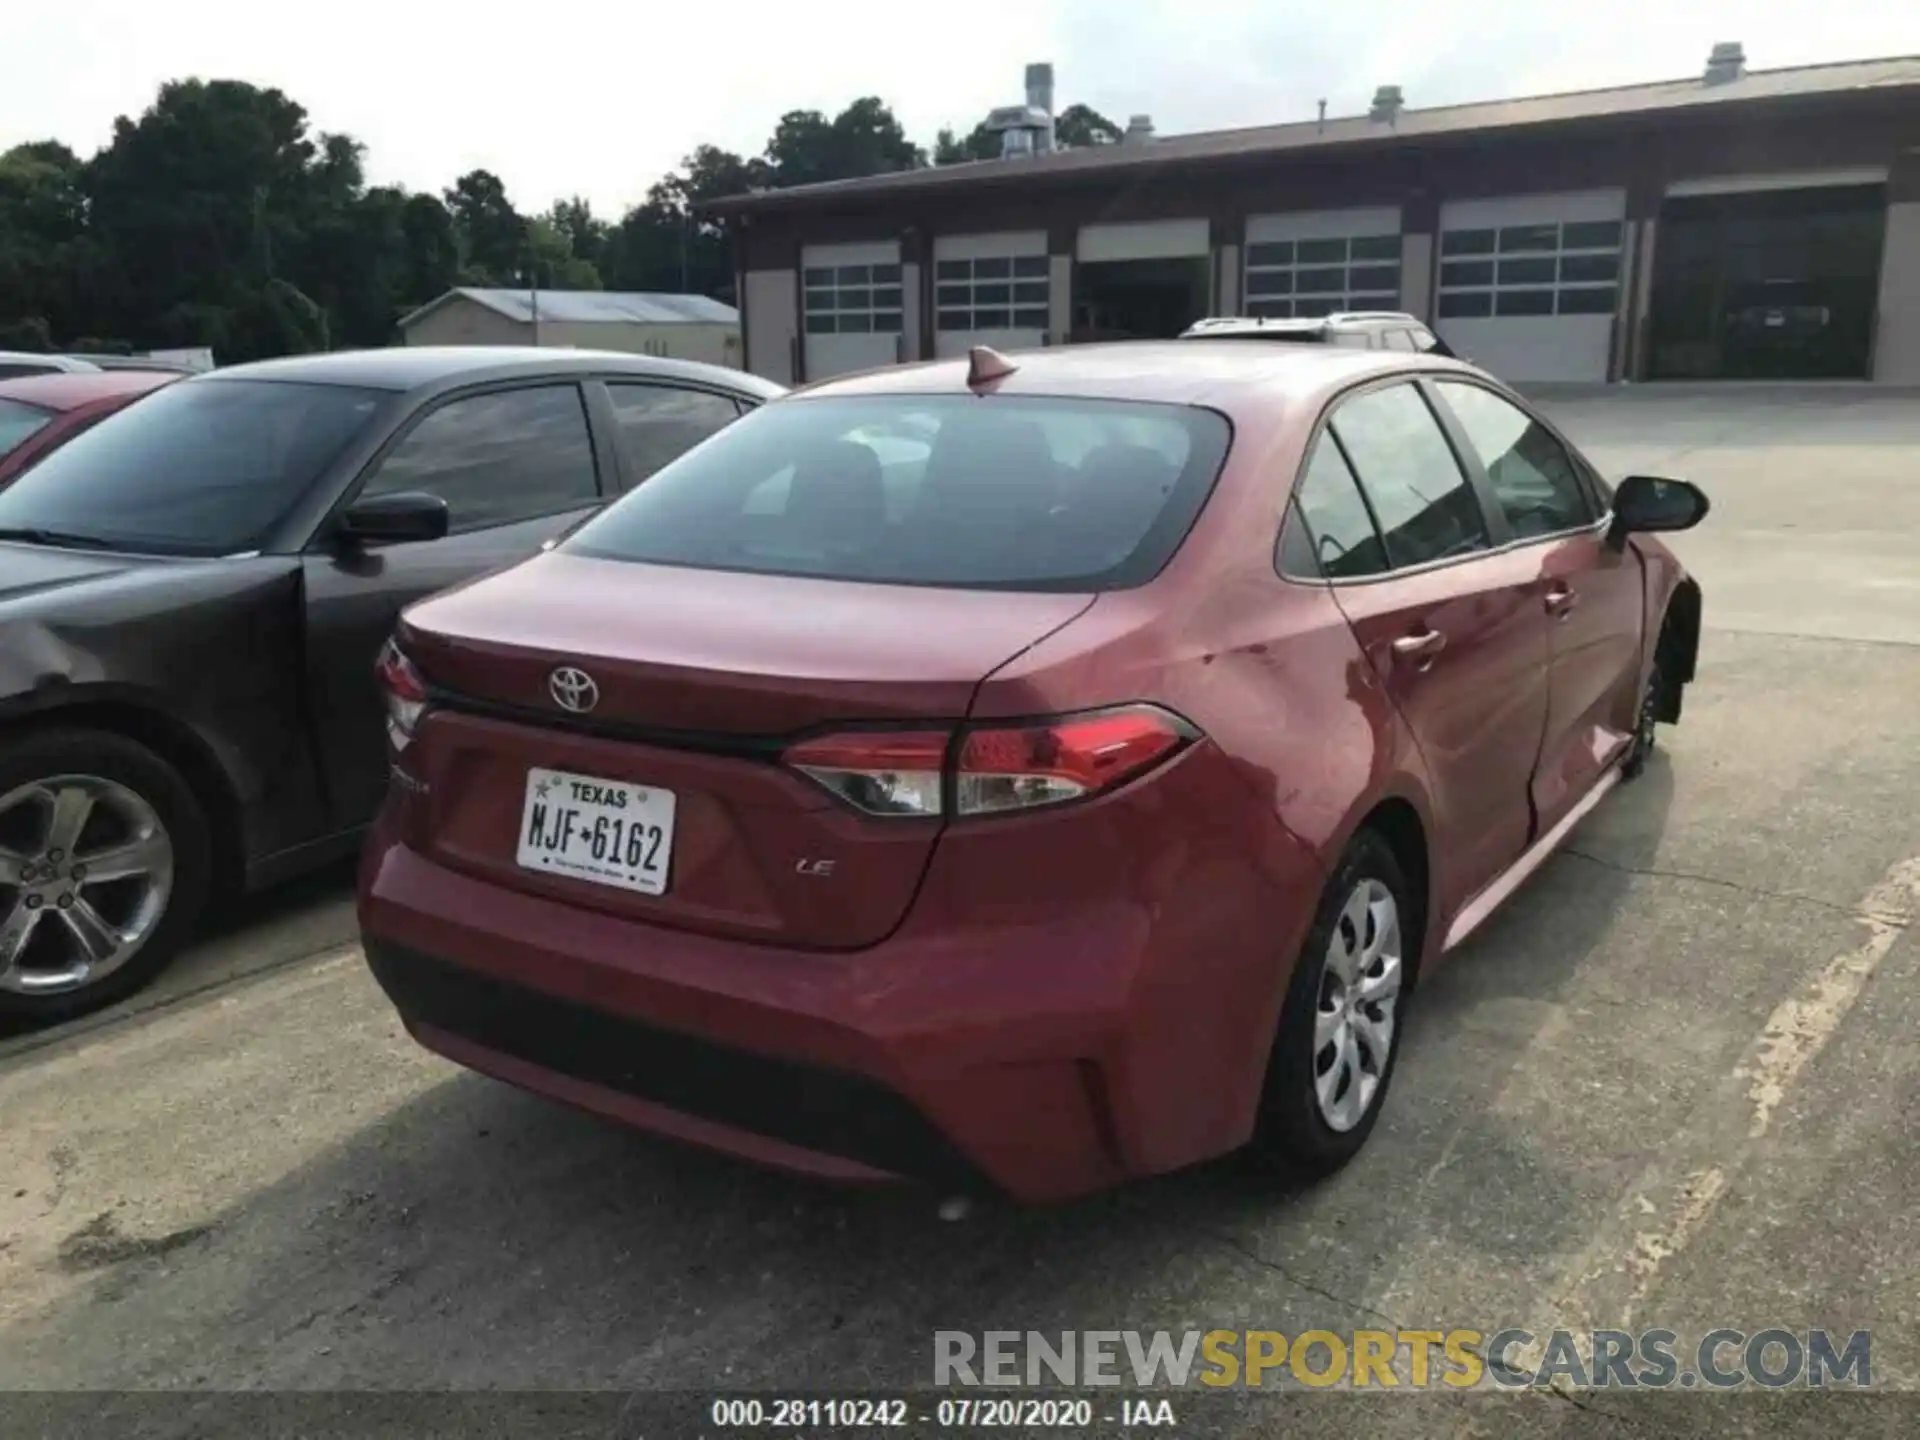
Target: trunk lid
x: 701, y: 678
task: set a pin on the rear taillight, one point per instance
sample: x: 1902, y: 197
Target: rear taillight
x: 994, y: 769
x: 1064, y: 759
x: 405, y: 691
x: 883, y: 772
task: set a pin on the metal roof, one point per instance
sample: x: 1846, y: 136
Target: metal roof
x: 588, y: 307
x: 1452, y: 121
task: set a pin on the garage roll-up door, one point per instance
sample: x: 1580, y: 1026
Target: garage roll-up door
x: 1530, y: 284
x: 1317, y: 262
x: 990, y: 290
x: 852, y: 307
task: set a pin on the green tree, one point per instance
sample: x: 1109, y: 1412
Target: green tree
x: 643, y: 251
x: 431, y: 261
x: 666, y: 243
x: 29, y: 333
x: 216, y: 219
x: 979, y: 143
x: 551, y: 263
x: 585, y: 232
x: 863, y: 139
x: 195, y: 201
x: 1081, y: 125
x: 42, y: 235
x: 492, y: 234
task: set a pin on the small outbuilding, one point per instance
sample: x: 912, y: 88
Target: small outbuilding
x: 685, y: 327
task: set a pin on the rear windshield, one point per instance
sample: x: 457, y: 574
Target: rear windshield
x: 999, y: 492
x: 204, y: 467
x: 17, y: 422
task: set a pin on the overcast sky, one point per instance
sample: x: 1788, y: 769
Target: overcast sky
x: 600, y: 98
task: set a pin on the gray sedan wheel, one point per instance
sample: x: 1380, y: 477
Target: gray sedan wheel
x: 103, y: 869
x: 89, y: 888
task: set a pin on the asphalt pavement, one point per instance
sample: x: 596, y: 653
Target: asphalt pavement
x: 1673, y: 1083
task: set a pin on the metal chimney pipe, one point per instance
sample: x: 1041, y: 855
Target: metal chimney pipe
x: 1040, y: 87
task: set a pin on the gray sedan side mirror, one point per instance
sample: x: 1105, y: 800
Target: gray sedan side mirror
x: 393, y: 519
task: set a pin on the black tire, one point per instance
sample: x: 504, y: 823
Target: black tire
x: 1291, y: 1134
x: 40, y: 755
x: 1646, y: 715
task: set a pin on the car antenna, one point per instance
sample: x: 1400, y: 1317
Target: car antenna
x: 986, y: 365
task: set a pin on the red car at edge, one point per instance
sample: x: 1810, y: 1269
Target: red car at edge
x: 40, y: 413
x: 1025, y: 772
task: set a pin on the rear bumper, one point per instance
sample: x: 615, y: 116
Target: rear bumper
x: 1041, y: 1051
x: 803, y: 1117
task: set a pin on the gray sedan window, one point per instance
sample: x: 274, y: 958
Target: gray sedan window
x: 496, y: 458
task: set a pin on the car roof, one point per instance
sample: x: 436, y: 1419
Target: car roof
x: 69, y: 390
x: 412, y: 367
x: 1224, y: 374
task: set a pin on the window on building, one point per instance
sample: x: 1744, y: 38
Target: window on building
x: 853, y: 299
x: 1309, y: 278
x: 1005, y: 292
x: 1561, y: 268
x: 497, y: 458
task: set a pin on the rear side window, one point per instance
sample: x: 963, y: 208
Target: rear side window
x: 1345, y: 544
x: 1399, y: 339
x: 1424, y: 506
x: 1006, y: 492
x: 496, y: 458
x: 659, y: 423
x: 17, y: 422
x: 1535, y: 481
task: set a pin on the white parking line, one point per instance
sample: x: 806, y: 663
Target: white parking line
x: 1803, y: 1023
x: 1624, y: 1259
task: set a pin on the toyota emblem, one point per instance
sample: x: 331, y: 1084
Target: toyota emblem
x: 573, y: 690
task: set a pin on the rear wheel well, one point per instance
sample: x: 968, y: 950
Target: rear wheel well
x: 1398, y: 823
x: 174, y: 743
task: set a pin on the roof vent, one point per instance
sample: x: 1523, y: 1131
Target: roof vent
x: 1026, y: 129
x: 1139, y: 130
x: 1727, y: 62
x: 1387, y: 104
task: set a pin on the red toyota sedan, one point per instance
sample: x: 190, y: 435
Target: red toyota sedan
x: 40, y: 413
x: 1024, y: 773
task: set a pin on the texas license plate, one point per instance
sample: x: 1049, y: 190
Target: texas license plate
x: 606, y: 831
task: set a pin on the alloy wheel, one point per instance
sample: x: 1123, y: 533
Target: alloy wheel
x: 1353, y: 1026
x: 86, y: 870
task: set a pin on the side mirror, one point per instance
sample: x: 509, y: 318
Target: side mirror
x: 1646, y: 502
x: 393, y: 519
